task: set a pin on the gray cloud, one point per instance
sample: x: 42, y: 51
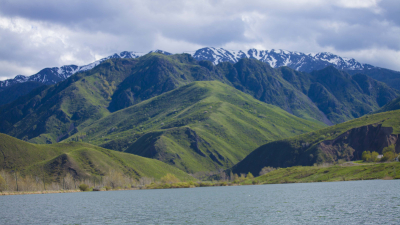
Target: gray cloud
x: 45, y: 33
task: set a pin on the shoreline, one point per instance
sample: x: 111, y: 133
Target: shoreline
x: 132, y: 189
x: 36, y: 192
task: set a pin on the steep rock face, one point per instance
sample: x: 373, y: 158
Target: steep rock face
x: 352, y: 143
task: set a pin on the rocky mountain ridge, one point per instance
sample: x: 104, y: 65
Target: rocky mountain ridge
x: 305, y: 62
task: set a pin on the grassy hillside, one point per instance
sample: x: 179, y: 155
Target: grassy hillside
x: 51, y: 114
x: 344, y: 141
x: 201, y: 126
x: 305, y: 174
x: 81, y: 160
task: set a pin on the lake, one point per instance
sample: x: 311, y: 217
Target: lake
x: 351, y: 202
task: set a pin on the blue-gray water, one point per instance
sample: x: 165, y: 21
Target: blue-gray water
x: 355, y: 202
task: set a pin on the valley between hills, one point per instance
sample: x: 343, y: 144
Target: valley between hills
x: 162, y: 121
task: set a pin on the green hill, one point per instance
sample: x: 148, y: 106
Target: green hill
x: 81, y: 160
x: 202, y: 126
x: 345, y: 141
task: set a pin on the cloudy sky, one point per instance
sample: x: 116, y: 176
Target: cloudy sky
x: 35, y: 34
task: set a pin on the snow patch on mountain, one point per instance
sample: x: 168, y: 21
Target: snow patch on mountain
x: 306, y: 62
x: 278, y: 57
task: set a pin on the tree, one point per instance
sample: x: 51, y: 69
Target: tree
x: 169, y: 179
x: 366, y: 156
x: 390, y: 148
x: 266, y: 170
x: 250, y: 176
x: 388, y: 156
x: 374, y: 156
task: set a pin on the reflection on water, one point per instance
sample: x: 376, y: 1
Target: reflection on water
x: 354, y: 202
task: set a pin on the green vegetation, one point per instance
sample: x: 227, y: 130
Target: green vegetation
x: 11, y: 93
x: 389, y: 77
x: 51, y: 114
x: 345, y: 172
x: 266, y: 170
x: 84, y: 187
x: 345, y: 141
x: 2, y: 184
x: 393, y: 105
x: 368, y: 156
x: 169, y: 178
x: 202, y: 126
x: 46, y: 164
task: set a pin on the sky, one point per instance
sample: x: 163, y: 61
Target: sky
x: 35, y: 34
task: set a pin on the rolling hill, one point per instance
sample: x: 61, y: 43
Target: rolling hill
x: 202, y: 126
x: 81, y: 160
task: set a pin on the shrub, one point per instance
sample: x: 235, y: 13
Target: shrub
x: 170, y: 179
x: 266, y: 170
x: 84, y: 187
x: 2, y: 184
x: 107, y: 188
x: 388, y: 156
x: 390, y: 148
x: 366, y: 156
x: 374, y: 156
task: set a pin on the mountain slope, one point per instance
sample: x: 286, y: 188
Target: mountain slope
x: 13, y: 92
x: 393, y: 105
x: 51, y: 114
x: 343, y: 97
x: 81, y: 160
x: 390, y: 77
x: 202, y: 126
x: 344, y: 141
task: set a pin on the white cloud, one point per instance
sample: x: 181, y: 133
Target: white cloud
x: 44, y: 33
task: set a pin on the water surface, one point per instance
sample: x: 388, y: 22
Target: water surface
x: 353, y: 202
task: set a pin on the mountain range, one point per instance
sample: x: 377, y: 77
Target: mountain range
x: 275, y: 58
x: 198, y: 115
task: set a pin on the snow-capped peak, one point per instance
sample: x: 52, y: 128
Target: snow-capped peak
x: 274, y: 57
